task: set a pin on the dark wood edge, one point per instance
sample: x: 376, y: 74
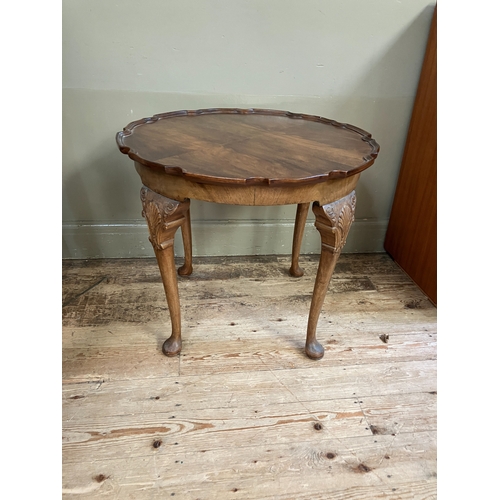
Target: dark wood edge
x: 205, y: 179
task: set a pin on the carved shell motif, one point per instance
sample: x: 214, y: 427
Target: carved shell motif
x: 341, y: 214
x: 156, y: 210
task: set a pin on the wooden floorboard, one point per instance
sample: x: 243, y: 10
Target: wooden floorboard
x: 242, y: 412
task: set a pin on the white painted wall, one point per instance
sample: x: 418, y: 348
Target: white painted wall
x: 356, y: 61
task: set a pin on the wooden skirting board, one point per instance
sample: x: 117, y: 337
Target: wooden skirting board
x: 117, y: 240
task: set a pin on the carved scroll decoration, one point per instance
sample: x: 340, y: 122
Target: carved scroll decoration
x: 340, y: 218
x: 157, y: 210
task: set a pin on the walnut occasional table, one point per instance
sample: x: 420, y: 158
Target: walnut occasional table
x: 247, y: 157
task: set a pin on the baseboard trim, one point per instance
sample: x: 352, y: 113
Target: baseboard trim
x: 211, y: 238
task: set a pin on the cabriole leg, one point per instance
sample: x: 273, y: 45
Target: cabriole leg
x: 187, y: 268
x: 298, y: 233
x: 333, y: 222
x: 164, y: 216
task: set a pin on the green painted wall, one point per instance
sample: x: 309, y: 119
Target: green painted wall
x: 351, y: 60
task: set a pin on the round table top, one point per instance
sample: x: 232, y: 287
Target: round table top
x: 248, y: 146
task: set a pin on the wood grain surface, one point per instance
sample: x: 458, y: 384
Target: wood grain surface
x: 248, y: 146
x: 411, y: 237
x: 242, y: 412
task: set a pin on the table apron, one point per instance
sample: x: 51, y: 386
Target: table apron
x: 178, y: 188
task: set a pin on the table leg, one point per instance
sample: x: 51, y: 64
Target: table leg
x: 333, y: 222
x: 164, y: 216
x: 298, y: 233
x: 187, y: 268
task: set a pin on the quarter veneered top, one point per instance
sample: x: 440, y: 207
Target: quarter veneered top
x: 248, y: 146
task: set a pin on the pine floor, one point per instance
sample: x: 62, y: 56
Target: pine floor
x: 242, y: 413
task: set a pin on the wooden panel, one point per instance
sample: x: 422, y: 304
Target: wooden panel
x: 412, y: 232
